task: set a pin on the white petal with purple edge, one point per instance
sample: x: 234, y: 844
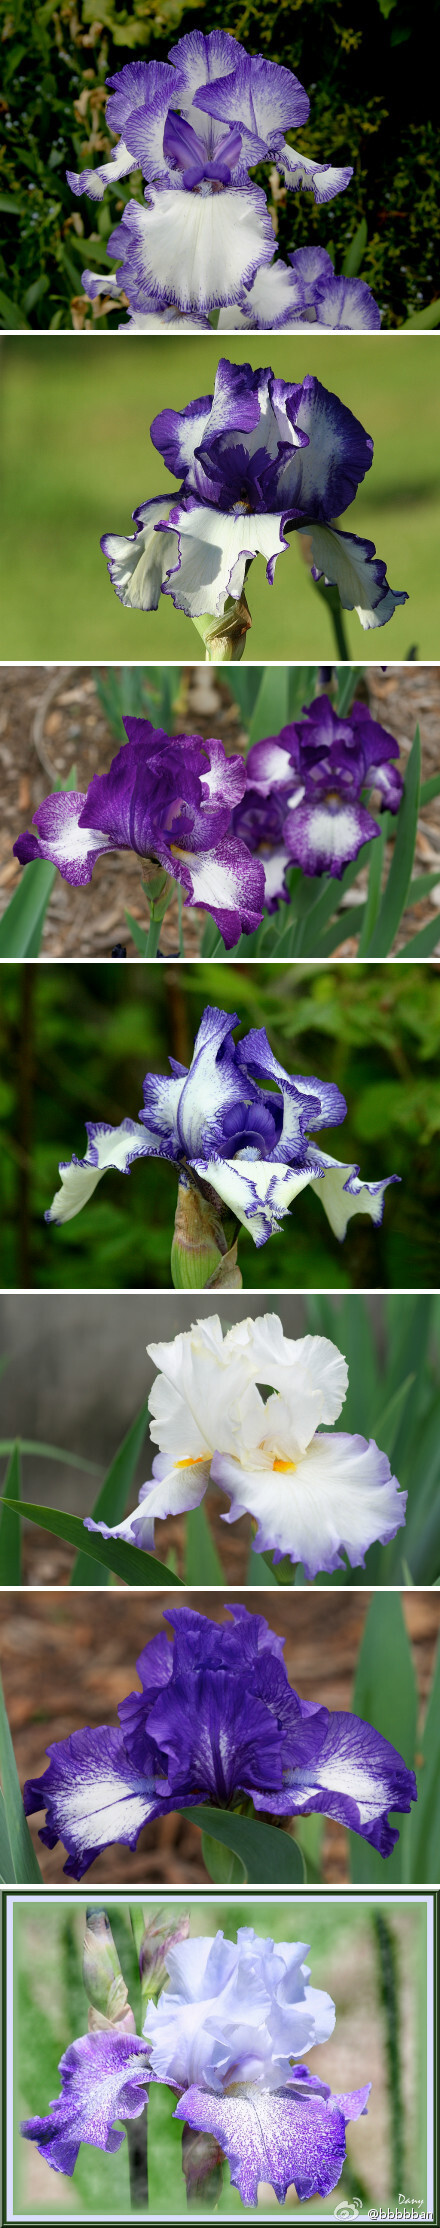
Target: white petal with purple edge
x: 258, y: 1192
x: 352, y: 566
x: 201, y: 249
x: 137, y: 563
x: 339, y: 1494
x: 94, y: 182
x: 319, y: 178
x: 61, y: 839
x: 214, y: 549
x: 343, y: 1194
x: 108, y: 1148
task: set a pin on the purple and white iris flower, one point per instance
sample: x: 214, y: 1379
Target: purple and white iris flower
x: 304, y: 802
x: 256, y: 459
x: 103, y: 2078
x: 223, y: 1122
x: 311, y: 1492
x: 226, y: 2029
x: 202, y: 239
x: 171, y: 801
x: 216, y: 1722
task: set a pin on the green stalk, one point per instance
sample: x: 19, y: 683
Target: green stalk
x: 389, y: 1995
x: 332, y: 598
x: 137, y: 2140
x: 180, y: 918
x: 153, y: 936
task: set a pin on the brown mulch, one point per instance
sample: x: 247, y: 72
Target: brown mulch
x: 67, y: 1660
x: 85, y: 923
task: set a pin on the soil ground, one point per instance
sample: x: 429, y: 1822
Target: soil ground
x: 72, y: 730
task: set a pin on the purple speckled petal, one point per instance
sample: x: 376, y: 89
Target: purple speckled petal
x: 227, y: 882
x: 139, y: 85
x: 63, y: 839
x: 322, y: 837
x: 271, y: 2137
x: 103, y: 2078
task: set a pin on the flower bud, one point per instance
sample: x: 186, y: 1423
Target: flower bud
x: 200, y: 1252
x: 161, y: 1935
x: 225, y: 638
x: 158, y: 885
x: 102, y: 1976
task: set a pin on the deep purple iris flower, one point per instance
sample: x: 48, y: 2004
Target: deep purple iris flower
x: 172, y: 802
x: 258, y: 457
x: 303, y: 804
x: 216, y: 1722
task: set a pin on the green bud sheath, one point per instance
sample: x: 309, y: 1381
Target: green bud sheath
x: 200, y: 1253
x: 225, y: 638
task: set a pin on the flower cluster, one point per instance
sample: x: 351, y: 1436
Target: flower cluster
x: 223, y: 2036
x: 303, y: 800
x: 172, y: 803
x: 202, y: 240
x: 234, y: 1122
x: 226, y: 829
x: 310, y: 1492
x: 258, y: 458
x: 216, y: 1722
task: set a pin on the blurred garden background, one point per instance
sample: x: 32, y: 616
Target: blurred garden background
x: 78, y: 461
x: 371, y: 1959
x: 371, y: 105
x: 76, y: 1042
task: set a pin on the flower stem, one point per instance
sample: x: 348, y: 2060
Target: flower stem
x: 180, y: 919
x: 332, y: 598
x: 137, y: 2139
x: 152, y: 936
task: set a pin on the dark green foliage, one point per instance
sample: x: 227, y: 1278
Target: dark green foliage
x: 76, y: 1043
x: 371, y: 105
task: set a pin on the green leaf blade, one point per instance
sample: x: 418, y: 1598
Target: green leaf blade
x: 268, y: 1855
x: 10, y: 1526
x: 385, y: 1694
x: 24, y: 1861
x: 132, y: 1564
x: 22, y: 923
x: 395, y: 895
x: 111, y: 1501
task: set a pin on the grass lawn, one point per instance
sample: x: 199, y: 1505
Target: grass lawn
x: 78, y: 460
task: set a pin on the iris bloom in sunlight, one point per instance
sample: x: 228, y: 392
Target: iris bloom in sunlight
x: 255, y: 460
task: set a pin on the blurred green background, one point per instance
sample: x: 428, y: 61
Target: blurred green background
x: 375, y: 1958
x: 78, y: 460
x: 76, y: 1042
x: 372, y: 105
